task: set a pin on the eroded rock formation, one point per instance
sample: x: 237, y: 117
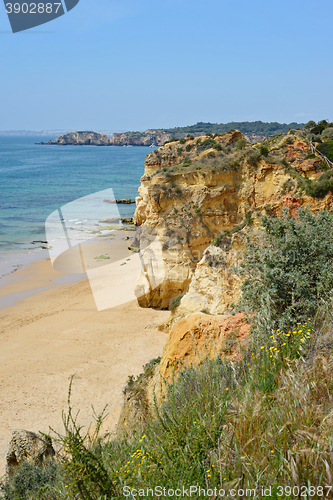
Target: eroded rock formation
x: 26, y: 446
x: 194, y: 190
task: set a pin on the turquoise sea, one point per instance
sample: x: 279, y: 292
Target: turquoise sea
x: 35, y: 180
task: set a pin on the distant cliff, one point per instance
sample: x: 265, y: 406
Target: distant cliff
x: 253, y: 132
x: 81, y: 139
x: 147, y: 138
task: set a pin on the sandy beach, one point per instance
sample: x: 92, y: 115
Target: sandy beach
x: 50, y: 335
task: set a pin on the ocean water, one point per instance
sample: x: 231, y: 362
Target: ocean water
x: 36, y: 180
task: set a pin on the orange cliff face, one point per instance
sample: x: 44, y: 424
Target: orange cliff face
x: 194, y: 190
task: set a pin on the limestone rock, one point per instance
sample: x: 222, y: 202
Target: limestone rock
x: 139, y: 402
x: 196, y: 336
x: 214, y: 287
x: 189, y: 196
x: 81, y: 139
x: 26, y: 446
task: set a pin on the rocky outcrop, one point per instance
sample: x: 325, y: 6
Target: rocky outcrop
x: 26, y: 446
x: 214, y: 287
x: 139, y: 397
x: 147, y: 138
x: 197, y: 336
x: 194, y: 190
x: 191, y: 339
x: 81, y: 139
x: 121, y: 201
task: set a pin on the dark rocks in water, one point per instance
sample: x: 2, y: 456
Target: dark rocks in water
x: 127, y: 220
x: 39, y: 241
x: 122, y: 201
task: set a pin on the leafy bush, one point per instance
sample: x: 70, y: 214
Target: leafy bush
x: 264, y: 150
x: 182, y: 141
x: 179, y: 151
x: 189, y: 147
x: 326, y: 148
x: 207, y: 144
x: 310, y: 124
x: 317, y: 129
x: 327, y: 133
x: 289, y: 140
x: 245, y: 422
x: 29, y: 480
x: 241, y: 144
x: 318, y: 188
x: 253, y: 157
x: 173, y: 139
x: 289, y: 266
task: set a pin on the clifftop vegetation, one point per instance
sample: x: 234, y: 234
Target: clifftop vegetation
x: 254, y: 130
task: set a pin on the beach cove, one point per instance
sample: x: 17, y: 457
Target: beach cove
x: 53, y: 334
x: 50, y: 328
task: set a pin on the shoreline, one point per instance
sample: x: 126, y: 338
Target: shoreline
x: 55, y: 331
x: 17, y: 269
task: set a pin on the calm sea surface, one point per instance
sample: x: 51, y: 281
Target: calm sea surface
x: 36, y: 180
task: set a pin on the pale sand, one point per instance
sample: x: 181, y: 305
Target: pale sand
x: 50, y: 336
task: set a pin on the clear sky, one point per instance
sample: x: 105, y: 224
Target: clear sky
x: 133, y: 65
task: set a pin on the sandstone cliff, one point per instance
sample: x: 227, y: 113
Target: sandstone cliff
x: 81, y: 139
x: 196, y: 189
x: 147, y: 138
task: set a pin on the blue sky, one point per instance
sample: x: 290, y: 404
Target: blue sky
x: 129, y: 65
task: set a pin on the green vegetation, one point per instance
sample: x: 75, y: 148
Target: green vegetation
x: 175, y: 301
x: 202, y: 128
x: 318, y: 188
x: 326, y: 148
x: 255, y: 128
x: 218, y: 241
x: 241, y: 144
x: 288, y: 267
x: 264, y: 151
x: 321, y: 130
x: 253, y: 157
x: 31, y: 482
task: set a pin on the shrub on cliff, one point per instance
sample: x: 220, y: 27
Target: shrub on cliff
x: 326, y: 148
x: 327, y: 133
x: 318, y: 188
x: 30, y: 481
x: 264, y: 150
x: 253, y: 157
x: 288, y: 266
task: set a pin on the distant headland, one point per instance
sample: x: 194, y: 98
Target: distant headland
x: 253, y: 131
